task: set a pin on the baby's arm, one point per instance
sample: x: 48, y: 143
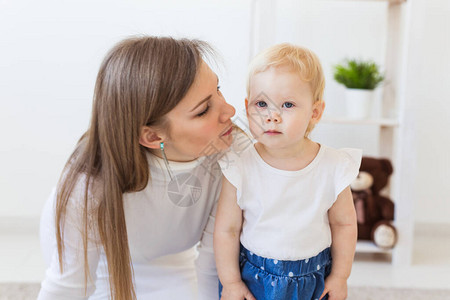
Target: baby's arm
x: 226, y: 244
x: 342, y: 217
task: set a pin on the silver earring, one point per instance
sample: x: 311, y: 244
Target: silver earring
x: 161, y: 146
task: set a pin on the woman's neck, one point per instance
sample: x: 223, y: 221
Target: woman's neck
x: 170, y: 156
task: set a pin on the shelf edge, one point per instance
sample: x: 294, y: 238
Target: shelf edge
x: 383, y: 122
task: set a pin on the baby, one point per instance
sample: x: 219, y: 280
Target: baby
x: 286, y: 224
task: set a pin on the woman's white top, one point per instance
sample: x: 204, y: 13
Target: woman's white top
x: 286, y: 212
x: 165, y: 222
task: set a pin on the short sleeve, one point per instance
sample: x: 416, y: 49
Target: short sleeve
x: 347, y: 168
x: 232, y: 162
x: 231, y: 167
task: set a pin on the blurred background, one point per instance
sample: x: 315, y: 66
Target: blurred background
x: 50, y: 52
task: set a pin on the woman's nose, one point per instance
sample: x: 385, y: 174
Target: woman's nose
x: 227, y: 112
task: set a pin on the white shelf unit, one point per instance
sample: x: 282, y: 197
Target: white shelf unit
x: 393, y: 133
x: 390, y: 1
x: 382, y: 122
x: 369, y: 247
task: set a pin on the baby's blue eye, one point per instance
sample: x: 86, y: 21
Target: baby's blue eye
x: 288, y: 104
x: 261, y: 104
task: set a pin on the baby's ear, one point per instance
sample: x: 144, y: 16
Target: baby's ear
x: 318, y: 109
x: 246, y: 105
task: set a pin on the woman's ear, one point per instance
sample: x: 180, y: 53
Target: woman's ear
x: 318, y: 108
x: 150, y: 137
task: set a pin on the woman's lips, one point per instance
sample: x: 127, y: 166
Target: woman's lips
x: 228, y: 131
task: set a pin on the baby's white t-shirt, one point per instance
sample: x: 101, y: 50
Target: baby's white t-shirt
x: 286, y: 212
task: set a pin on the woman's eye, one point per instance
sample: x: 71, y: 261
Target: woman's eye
x: 218, y: 88
x: 203, y: 112
x: 288, y: 104
x: 261, y: 104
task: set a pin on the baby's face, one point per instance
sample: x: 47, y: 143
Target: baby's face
x: 280, y: 107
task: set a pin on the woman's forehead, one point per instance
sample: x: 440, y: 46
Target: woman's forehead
x: 200, y: 89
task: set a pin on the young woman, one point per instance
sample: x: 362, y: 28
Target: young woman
x: 140, y: 189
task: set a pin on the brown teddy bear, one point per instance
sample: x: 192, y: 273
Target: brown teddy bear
x: 374, y: 212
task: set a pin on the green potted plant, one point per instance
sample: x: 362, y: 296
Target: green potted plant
x: 360, y: 79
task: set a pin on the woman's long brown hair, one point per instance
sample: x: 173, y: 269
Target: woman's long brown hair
x: 140, y: 80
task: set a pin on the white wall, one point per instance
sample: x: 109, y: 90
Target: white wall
x: 428, y: 104
x: 50, y: 52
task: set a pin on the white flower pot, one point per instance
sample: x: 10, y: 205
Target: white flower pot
x: 359, y: 103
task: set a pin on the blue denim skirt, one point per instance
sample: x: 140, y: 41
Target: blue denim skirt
x: 271, y: 279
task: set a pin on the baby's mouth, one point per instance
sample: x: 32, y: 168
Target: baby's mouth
x: 272, y: 132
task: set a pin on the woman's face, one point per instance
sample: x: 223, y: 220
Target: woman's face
x: 200, y: 124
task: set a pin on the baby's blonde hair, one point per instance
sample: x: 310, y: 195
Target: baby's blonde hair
x: 302, y: 61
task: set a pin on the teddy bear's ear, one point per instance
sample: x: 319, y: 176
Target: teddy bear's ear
x: 363, y: 181
x: 387, y: 166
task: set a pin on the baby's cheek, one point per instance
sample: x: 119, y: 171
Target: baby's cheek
x: 256, y: 128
